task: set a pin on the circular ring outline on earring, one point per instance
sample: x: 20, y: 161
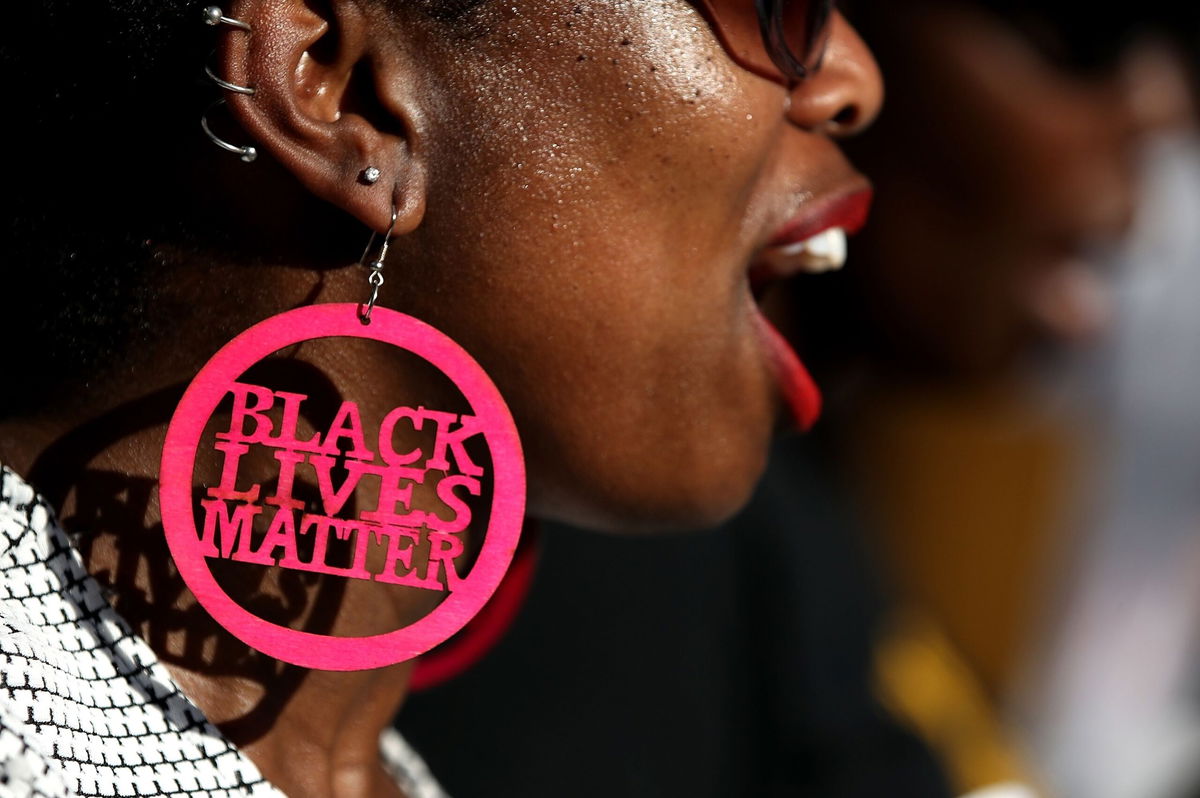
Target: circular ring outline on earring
x: 505, y: 520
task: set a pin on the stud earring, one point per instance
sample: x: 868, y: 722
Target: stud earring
x: 370, y: 175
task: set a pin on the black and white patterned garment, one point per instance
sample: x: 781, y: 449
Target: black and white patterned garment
x: 86, y: 708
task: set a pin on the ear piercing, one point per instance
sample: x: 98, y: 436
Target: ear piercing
x: 247, y: 153
x: 224, y: 84
x: 214, y: 16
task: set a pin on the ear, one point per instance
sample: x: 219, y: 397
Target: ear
x: 334, y: 94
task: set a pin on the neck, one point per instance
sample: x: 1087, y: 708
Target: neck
x: 309, y: 732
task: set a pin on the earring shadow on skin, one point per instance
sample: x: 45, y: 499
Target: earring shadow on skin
x: 109, y: 505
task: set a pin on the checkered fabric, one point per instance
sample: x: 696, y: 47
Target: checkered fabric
x: 86, y: 709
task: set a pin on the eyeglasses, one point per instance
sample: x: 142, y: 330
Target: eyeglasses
x: 781, y: 40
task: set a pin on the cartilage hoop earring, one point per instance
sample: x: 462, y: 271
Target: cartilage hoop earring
x: 213, y: 15
x: 247, y: 154
x: 224, y: 84
x: 373, y: 257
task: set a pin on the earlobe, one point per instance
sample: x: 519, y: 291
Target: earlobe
x: 317, y: 109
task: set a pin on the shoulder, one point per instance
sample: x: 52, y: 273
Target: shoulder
x: 86, y: 706
x: 407, y: 768
x: 25, y: 770
x: 82, y: 698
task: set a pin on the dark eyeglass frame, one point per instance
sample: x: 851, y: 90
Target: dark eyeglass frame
x: 781, y: 40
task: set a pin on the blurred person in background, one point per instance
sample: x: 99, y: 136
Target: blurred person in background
x: 1109, y: 688
x: 1111, y: 685
x: 1006, y: 166
x: 1021, y: 378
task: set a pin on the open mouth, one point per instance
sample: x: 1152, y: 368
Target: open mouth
x: 800, y: 392
x: 822, y: 252
x: 812, y: 242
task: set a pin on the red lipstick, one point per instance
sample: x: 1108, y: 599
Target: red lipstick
x: 799, y: 390
x: 847, y: 211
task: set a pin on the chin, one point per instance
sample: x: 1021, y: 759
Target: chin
x: 673, y: 499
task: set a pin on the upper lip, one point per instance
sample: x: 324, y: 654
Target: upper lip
x: 845, y: 209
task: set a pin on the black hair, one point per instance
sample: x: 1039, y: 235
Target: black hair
x: 106, y: 98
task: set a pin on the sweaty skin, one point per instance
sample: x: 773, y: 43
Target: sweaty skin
x: 638, y: 169
x: 580, y: 189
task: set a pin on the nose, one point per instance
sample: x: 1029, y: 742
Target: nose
x: 844, y: 95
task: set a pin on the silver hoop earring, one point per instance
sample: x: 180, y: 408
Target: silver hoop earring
x: 224, y: 84
x: 213, y: 15
x: 247, y: 154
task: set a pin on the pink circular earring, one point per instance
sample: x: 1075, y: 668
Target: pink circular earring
x: 392, y: 542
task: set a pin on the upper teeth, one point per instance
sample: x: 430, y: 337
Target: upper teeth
x: 823, y: 252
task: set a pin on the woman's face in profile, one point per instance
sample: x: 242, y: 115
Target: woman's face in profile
x: 602, y: 179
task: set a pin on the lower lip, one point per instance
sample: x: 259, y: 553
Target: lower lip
x: 799, y: 390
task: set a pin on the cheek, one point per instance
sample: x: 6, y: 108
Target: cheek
x: 596, y: 231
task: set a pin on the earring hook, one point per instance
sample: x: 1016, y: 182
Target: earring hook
x: 375, y: 264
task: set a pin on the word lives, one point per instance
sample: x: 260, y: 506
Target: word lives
x: 383, y: 540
